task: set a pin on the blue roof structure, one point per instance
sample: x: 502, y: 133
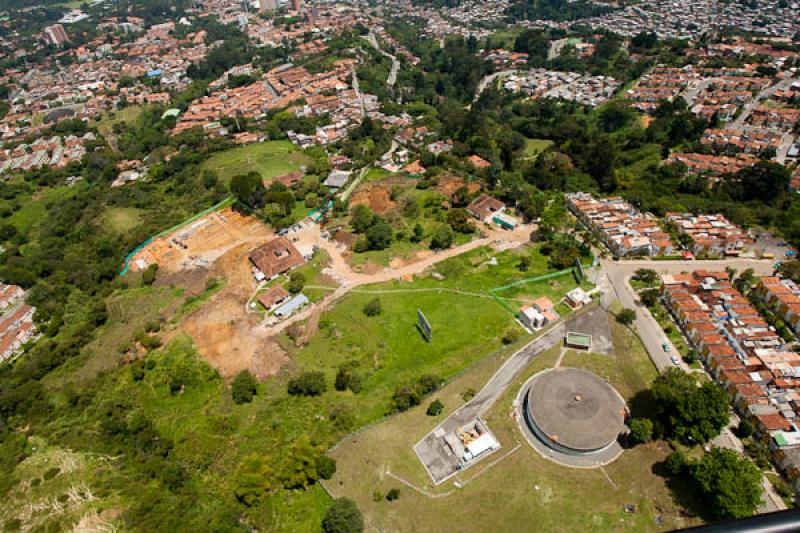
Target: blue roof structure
x: 291, y: 307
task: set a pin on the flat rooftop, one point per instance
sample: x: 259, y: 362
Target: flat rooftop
x: 576, y: 409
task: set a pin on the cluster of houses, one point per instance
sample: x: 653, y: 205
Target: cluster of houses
x: 620, y: 226
x: 323, y: 93
x: 732, y: 141
x: 711, y: 165
x: 56, y: 152
x: 541, y: 83
x: 711, y: 235
x: 744, y: 354
x: 16, y: 320
x: 690, y: 19
x: 269, y: 261
x: 782, y: 295
x: 85, y: 81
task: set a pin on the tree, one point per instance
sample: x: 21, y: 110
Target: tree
x: 442, y: 238
x: 379, y: 235
x: 649, y: 297
x: 460, y: 220
x: 765, y: 181
x: 343, y: 516
x: 149, y: 275
x: 297, y: 280
x: 435, y: 408
x: 626, y: 317
x: 372, y: 307
x: 646, y: 275
x: 641, y: 430
x: 307, y: 384
x: 253, y: 479
x: 692, y: 414
x: 244, y: 387
x: 730, y: 484
x: 326, y: 467
x: 393, y: 494
x: 745, y: 429
x: 361, y: 218
x: 248, y: 189
x: 419, y: 233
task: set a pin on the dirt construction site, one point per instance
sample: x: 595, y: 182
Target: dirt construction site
x: 217, y: 246
x: 200, y: 243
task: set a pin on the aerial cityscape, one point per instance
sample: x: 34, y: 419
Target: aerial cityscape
x: 399, y: 265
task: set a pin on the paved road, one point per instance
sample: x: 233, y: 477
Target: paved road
x: 489, y: 79
x: 431, y: 450
x: 783, y: 150
x: 613, y: 279
x: 390, y: 81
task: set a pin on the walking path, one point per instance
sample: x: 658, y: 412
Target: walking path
x: 340, y: 270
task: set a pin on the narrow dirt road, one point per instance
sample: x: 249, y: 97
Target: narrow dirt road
x: 340, y: 270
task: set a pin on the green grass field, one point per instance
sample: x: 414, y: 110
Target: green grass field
x: 521, y: 488
x: 534, y: 147
x: 270, y: 159
x: 127, y: 114
x: 121, y: 219
x: 211, y: 434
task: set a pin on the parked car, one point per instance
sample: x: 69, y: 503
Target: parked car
x: 675, y: 360
x: 665, y: 347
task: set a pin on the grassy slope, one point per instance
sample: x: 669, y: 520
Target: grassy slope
x: 522, y: 488
x: 270, y: 159
x: 211, y: 434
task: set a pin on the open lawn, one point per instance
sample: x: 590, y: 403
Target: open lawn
x: 270, y: 159
x: 534, y: 147
x: 121, y: 219
x: 127, y: 114
x: 212, y: 435
x: 516, y: 487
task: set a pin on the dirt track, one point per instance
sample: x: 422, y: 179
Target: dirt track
x: 231, y: 339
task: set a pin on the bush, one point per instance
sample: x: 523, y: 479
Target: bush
x: 511, y: 335
x: 442, y: 238
x: 296, y: 282
x: 149, y: 275
x: 435, y: 408
x: 346, y: 378
x: 626, y: 316
x: 307, y: 384
x: 392, y: 495
x: 343, y: 516
x: 253, y: 479
x: 406, y: 397
x: 326, y: 467
x: 244, y: 387
x: 373, y: 307
x: 468, y: 394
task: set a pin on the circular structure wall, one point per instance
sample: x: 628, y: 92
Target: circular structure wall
x: 574, y: 411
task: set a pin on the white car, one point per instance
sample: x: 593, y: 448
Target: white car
x: 675, y: 360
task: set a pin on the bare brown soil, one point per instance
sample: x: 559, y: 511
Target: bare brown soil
x: 449, y: 184
x: 217, y: 246
x: 377, y: 195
